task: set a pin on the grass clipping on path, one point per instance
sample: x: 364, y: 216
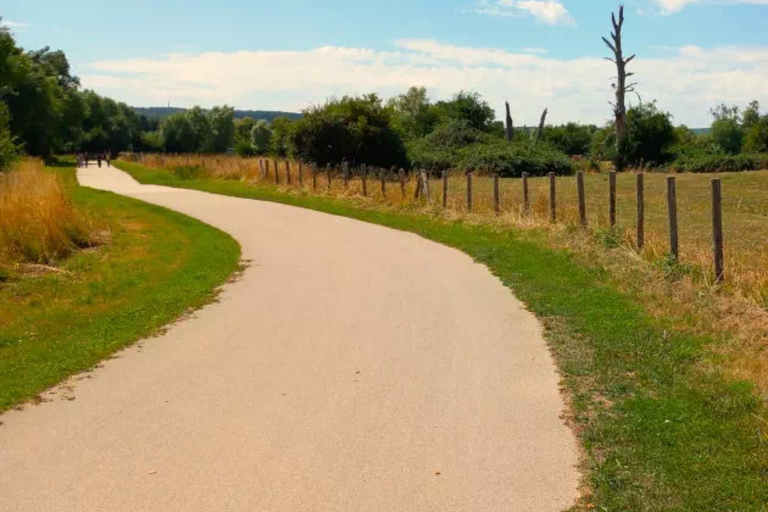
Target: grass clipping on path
x: 663, y: 429
x: 38, y: 223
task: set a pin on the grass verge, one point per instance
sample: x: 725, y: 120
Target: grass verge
x: 661, y: 430
x: 157, y: 265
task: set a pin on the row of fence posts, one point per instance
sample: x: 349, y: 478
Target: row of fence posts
x: 422, y: 190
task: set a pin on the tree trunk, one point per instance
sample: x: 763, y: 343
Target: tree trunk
x: 509, y: 130
x: 621, y: 87
x: 540, y: 132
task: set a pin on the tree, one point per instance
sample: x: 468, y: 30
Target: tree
x: 621, y: 87
x: 176, y: 130
x: 281, y: 142
x: 356, y: 129
x: 540, y: 131
x: 412, y: 115
x: 222, y: 129
x: 509, y: 129
x: 651, y: 135
x: 727, y: 132
x: 261, y: 136
x: 9, y: 150
x: 469, y: 107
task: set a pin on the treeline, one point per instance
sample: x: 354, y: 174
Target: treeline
x: 43, y: 110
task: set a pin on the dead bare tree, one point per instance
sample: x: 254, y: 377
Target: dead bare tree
x: 540, y: 131
x: 509, y: 130
x: 620, y: 87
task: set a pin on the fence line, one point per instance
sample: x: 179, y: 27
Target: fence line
x: 269, y: 170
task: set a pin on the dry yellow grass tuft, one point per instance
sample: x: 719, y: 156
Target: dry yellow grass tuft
x: 37, y: 221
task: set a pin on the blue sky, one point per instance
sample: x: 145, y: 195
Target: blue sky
x: 284, y: 54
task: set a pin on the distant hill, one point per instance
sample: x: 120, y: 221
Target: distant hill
x: 268, y: 115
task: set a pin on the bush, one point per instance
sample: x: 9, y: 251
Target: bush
x: 486, y: 153
x: 244, y: 148
x: 719, y: 162
x: 571, y: 138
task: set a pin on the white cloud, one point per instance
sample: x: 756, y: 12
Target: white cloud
x: 672, y: 6
x: 687, y: 82
x: 8, y: 24
x: 549, y: 12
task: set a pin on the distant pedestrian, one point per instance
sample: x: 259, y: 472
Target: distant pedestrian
x: 109, y: 159
x: 98, y: 159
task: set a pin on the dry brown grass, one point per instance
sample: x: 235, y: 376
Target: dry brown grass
x: 37, y: 221
x: 683, y: 293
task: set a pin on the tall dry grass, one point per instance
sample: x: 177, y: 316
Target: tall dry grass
x: 38, y: 223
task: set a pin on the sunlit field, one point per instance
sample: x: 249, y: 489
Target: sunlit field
x: 745, y: 210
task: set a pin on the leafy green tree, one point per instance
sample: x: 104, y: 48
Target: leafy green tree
x: 469, y: 107
x: 281, y: 142
x: 222, y: 129
x: 177, y: 132
x: 9, y: 150
x: 243, y: 129
x: 356, y: 129
x: 651, y: 135
x: 413, y: 116
x: 261, y: 137
x: 727, y: 131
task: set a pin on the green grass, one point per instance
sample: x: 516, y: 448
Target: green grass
x: 157, y: 265
x: 660, y: 432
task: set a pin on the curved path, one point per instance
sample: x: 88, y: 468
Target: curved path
x: 351, y: 368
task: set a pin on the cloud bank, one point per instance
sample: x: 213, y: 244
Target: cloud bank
x: 687, y: 82
x: 548, y: 12
x: 672, y: 6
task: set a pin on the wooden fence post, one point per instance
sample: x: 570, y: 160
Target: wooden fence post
x: 277, y: 172
x: 717, y: 229
x: 469, y: 191
x: 496, y: 198
x: 328, y: 175
x: 345, y: 173
x: 288, y: 171
x: 401, y: 174
x: 526, y: 198
x: 383, y: 178
x: 552, y: 198
x: 582, y: 199
x: 612, y: 198
x: 261, y: 168
x: 672, y: 209
x: 364, y: 170
x: 301, y: 174
x: 640, y: 211
x: 445, y: 189
x: 424, y: 184
x: 266, y: 169
x: 314, y: 177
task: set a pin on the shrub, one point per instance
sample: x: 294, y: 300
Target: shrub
x: 571, y: 138
x: 719, y: 162
x: 456, y: 145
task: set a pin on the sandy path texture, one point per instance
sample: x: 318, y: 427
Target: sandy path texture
x: 351, y: 368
